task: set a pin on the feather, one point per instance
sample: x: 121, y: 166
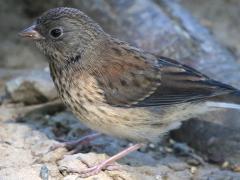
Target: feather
x: 223, y: 105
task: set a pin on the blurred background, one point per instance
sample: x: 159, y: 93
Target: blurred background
x: 221, y: 17
x: 201, y: 33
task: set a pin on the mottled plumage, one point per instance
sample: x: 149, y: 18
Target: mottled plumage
x: 115, y: 88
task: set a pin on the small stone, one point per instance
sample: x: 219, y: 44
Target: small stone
x: 168, y: 149
x: 236, y: 168
x: 178, y: 166
x: 44, y: 172
x: 152, y: 146
x: 193, y: 162
x: 225, y: 164
x: 161, y: 149
x: 171, y: 141
x: 193, y: 169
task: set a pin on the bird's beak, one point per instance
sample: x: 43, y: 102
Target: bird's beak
x: 31, y: 33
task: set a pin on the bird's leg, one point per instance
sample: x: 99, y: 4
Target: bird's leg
x: 70, y: 145
x: 107, y: 164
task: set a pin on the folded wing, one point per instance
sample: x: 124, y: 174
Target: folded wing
x: 132, y: 80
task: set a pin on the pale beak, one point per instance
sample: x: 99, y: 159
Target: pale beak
x: 31, y: 33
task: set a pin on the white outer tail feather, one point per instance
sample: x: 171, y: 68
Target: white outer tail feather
x: 223, y: 105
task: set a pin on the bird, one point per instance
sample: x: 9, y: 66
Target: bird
x: 117, y: 89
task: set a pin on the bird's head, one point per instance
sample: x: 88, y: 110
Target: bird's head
x: 63, y: 32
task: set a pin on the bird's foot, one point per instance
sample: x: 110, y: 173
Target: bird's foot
x: 75, y: 146
x: 108, y: 164
x: 91, y: 171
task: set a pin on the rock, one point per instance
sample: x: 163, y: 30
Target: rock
x: 217, y: 175
x: 217, y: 142
x: 26, y: 173
x: 16, y: 53
x: 19, y: 112
x: 32, y: 88
x: 220, y: 18
x: 20, y: 147
x: 79, y: 162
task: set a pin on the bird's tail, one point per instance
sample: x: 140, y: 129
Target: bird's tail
x: 229, y: 101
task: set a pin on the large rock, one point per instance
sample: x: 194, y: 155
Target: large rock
x: 221, y: 17
x: 31, y: 88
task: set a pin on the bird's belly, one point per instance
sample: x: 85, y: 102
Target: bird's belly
x: 137, y: 124
x: 131, y: 124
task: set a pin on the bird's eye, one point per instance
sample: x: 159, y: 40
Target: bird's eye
x: 56, y: 32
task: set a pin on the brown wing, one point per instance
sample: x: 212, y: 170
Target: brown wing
x: 180, y: 84
x: 126, y: 78
x: 131, y: 79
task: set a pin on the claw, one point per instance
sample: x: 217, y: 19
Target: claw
x: 74, y: 146
x: 97, y: 169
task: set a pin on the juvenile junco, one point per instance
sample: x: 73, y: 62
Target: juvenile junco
x: 117, y: 89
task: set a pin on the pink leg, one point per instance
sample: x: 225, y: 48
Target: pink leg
x: 108, y: 162
x: 74, y: 144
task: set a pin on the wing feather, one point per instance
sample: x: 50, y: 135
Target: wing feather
x: 132, y: 78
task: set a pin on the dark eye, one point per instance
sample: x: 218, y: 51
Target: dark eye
x: 56, y: 32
